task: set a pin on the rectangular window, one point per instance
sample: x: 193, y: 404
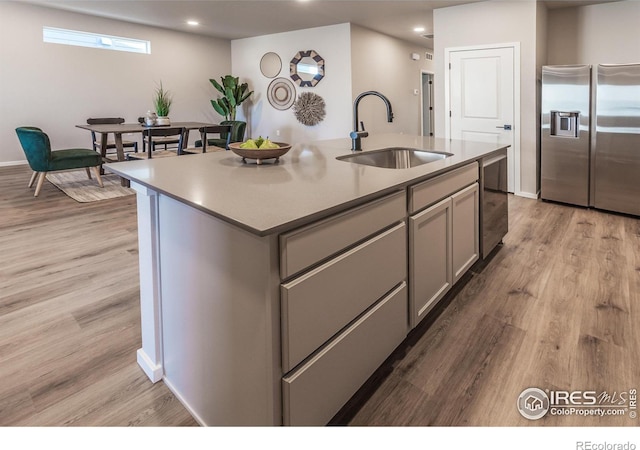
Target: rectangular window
x: 94, y: 40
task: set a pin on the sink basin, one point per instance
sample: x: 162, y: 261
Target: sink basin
x: 395, y: 157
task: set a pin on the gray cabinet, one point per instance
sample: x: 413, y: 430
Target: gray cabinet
x: 443, y: 238
x: 465, y: 233
x: 345, y: 290
x: 311, y: 244
x: 316, y: 305
x: 343, y: 305
x: 314, y: 392
x: 430, y: 258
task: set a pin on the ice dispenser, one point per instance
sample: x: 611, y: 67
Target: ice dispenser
x: 565, y: 123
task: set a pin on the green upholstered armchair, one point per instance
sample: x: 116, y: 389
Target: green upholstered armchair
x: 37, y: 148
x: 216, y: 129
x: 238, y: 128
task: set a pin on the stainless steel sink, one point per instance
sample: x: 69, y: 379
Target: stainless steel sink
x: 395, y: 157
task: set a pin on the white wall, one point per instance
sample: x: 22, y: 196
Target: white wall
x: 495, y: 22
x: 356, y: 60
x: 56, y: 87
x: 596, y: 34
x: 384, y: 64
x: 332, y: 43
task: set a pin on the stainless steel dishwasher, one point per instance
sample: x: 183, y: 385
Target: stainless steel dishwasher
x: 494, y: 214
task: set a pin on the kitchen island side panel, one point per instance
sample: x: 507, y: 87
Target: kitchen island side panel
x: 220, y: 317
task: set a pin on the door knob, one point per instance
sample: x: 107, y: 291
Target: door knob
x: 505, y: 127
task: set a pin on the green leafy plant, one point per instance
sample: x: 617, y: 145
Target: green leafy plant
x: 233, y: 94
x: 162, y: 101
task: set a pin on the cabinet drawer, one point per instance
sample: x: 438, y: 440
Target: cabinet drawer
x: 306, y: 246
x: 315, y: 392
x: 430, y: 191
x: 316, y: 305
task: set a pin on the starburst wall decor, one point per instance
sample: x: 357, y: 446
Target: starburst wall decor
x: 309, y: 109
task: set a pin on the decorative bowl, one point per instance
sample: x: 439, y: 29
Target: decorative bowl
x: 260, y: 154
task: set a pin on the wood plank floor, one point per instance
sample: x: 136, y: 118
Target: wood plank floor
x: 69, y: 313
x: 556, y: 308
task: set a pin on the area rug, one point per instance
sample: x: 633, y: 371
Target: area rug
x: 79, y: 187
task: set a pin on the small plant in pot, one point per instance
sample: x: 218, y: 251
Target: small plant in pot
x: 162, y: 103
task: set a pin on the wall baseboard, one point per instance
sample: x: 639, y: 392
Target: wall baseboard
x: 13, y: 163
x: 528, y: 195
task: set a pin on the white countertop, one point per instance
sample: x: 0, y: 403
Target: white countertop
x: 307, y: 183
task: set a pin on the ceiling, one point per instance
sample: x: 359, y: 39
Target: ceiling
x: 235, y: 19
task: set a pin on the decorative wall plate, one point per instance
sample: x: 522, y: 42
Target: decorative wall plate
x: 281, y: 94
x: 307, y: 68
x: 270, y: 65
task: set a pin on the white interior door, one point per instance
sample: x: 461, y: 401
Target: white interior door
x: 481, y: 83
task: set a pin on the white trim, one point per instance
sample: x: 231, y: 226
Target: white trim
x: 516, y: 118
x: 88, y: 39
x: 528, y: 195
x: 516, y: 101
x: 152, y: 370
x: 14, y: 163
x: 447, y: 92
x: 150, y: 356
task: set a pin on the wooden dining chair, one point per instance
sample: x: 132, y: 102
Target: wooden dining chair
x: 164, y: 141
x: 111, y: 145
x: 211, y: 129
x: 150, y: 135
x: 41, y: 159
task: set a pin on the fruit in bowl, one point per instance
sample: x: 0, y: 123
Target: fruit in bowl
x: 259, y: 149
x: 259, y: 143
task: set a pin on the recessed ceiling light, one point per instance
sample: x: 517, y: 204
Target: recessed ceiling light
x: 193, y: 23
x: 418, y: 29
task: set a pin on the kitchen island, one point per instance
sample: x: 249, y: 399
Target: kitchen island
x: 270, y: 293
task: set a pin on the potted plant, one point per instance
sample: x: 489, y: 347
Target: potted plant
x: 233, y: 94
x: 162, y: 103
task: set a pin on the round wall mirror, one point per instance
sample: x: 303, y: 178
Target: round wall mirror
x: 270, y: 65
x: 307, y: 68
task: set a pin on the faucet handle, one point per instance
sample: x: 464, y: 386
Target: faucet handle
x: 358, y: 134
x: 361, y: 125
x: 355, y: 139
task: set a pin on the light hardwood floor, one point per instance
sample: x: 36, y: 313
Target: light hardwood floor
x: 69, y: 313
x: 555, y: 308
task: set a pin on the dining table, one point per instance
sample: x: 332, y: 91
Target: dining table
x: 118, y: 129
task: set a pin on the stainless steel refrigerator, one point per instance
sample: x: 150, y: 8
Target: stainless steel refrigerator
x: 565, y: 154
x: 590, y: 153
x: 615, y: 177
